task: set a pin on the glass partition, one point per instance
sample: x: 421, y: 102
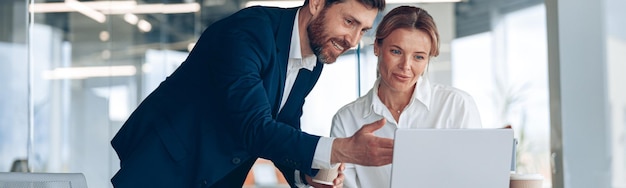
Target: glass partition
x: 14, y: 83
x: 92, y: 63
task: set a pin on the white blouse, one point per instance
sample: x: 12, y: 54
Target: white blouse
x: 432, y: 106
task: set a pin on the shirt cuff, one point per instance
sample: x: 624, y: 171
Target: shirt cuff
x: 321, y: 159
x: 299, y: 180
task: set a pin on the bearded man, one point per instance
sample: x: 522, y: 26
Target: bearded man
x: 239, y: 95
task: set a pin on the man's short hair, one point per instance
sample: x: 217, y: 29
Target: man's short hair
x: 378, y: 4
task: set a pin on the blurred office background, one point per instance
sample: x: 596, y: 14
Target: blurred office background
x: 71, y: 72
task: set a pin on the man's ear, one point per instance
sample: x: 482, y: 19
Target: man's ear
x: 316, y: 6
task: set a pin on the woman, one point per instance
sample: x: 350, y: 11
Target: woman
x: 406, y: 40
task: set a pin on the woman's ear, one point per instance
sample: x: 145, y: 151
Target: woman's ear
x: 376, y: 49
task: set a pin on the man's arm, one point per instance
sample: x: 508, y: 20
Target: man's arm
x: 238, y: 68
x: 363, y: 148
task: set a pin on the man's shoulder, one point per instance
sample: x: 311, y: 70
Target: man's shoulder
x: 256, y: 20
x: 256, y: 13
x: 265, y: 10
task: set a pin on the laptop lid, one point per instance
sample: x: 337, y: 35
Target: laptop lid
x: 452, y: 158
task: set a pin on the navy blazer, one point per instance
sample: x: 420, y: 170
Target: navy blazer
x: 206, y: 124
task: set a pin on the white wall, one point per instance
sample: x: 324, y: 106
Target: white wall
x: 616, y: 65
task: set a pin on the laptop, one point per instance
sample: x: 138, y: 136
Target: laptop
x: 452, y: 158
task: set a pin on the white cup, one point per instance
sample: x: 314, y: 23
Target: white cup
x: 326, y: 176
x: 526, y: 181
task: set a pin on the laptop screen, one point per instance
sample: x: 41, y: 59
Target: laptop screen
x: 452, y: 158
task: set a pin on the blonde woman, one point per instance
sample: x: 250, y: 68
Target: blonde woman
x: 406, y: 40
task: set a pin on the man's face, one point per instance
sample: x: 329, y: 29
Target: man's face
x: 339, y: 27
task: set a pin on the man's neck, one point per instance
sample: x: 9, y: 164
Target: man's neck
x: 304, y: 17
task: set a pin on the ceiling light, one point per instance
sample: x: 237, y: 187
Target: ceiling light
x: 96, y: 5
x: 144, y: 26
x: 89, y: 72
x: 115, y: 7
x: 85, y: 10
x: 160, y: 8
x: 131, y: 18
x: 104, y: 36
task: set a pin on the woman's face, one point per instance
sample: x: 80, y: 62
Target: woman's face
x: 402, y: 58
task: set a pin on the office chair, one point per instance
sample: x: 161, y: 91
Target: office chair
x: 42, y: 180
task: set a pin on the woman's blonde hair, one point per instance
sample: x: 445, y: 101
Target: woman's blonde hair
x: 409, y: 17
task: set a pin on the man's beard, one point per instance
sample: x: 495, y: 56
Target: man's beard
x: 318, y: 39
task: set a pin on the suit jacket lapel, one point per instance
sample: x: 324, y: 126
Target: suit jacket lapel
x: 283, y: 43
x: 301, y: 88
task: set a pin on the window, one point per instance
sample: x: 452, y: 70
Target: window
x: 505, y: 70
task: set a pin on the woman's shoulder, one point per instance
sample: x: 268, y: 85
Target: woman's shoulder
x: 358, y: 104
x: 349, y: 118
x: 449, y: 92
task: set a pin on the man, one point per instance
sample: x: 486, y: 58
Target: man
x: 239, y: 96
